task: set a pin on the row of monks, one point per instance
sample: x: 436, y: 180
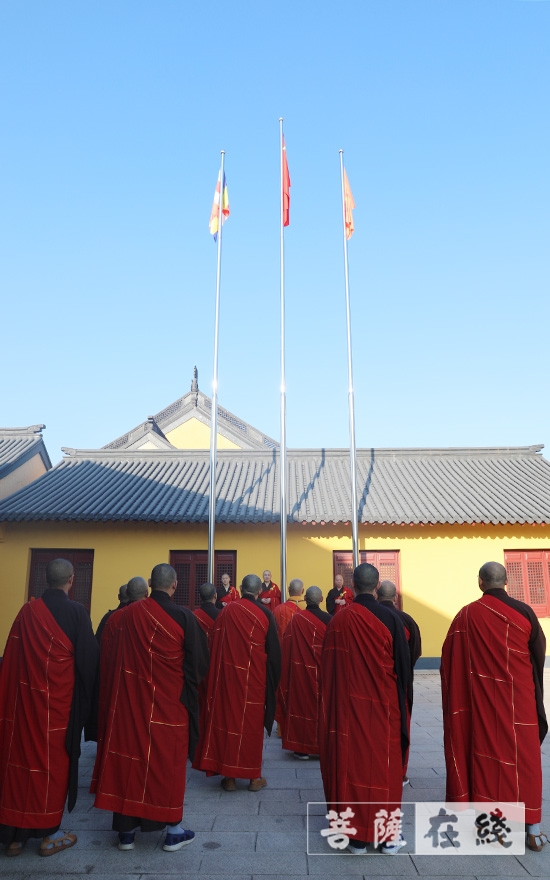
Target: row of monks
x: 175, y: 684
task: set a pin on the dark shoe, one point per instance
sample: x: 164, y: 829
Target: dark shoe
x: 301, y: 756
x: 257, y: 784
x: 126, y: 839
x: 173, y: 842
x: 228, y: 784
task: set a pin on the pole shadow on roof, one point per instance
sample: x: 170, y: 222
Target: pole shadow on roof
x: 310, y: 486
x: 237, y: 502
x: 366, y: 490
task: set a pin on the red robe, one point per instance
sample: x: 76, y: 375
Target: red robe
x: 491, y: 726
x: 283, y: 614
x: 300, y: 687
x: 346, y: 594
x: 232, y: 741
x: 206, y: 624
x: 274, y: 594
x: 141, y: 769
x: 43, y: 707
x: 362, y: 715
x: 231, y: 596
x: 107, y: 671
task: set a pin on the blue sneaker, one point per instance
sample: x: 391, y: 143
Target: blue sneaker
x: 126, y: 839
x: 173, y: 842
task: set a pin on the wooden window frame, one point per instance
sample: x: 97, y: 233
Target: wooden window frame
x: 342, y: 563
x: 187, y: 591
x: 83, y: 563
x: 524, y: 569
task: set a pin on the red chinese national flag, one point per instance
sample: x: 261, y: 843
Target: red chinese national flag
x: 286, y: 189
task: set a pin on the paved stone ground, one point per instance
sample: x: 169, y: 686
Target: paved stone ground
x: 262, y: 835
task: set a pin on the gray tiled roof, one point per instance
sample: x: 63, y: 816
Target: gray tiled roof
x: 197, y: 405
x: 18, y: 445
x: 395, y: 486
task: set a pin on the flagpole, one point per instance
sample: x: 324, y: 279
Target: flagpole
x: 351, y: 402
x: 214, y: 413
x: 282, y: 451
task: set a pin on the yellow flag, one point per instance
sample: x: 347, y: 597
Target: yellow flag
x: 349, y: 205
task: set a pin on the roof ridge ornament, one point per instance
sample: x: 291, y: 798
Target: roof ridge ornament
x: 195, y: 382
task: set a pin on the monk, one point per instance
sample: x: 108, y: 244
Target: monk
x: 363, y: 726
x: 152, y: 725
x: 122, y: 602
x: 206, y: 616
x: 245, y: 668
x: 270, y: 594
x: 387, y: 596
x: 493, y: 714
x: 208, y: 611
x: 339, y: 597
x: 300, y: 687
x: 135, y: 590
x: 225, y: 593
x: 283, y: 613
x: 47, y: 680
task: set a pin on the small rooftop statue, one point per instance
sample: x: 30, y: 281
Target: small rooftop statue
x: 195, y: 382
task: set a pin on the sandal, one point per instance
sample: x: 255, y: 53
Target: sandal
x: 535, y: 842
x: 49, y: 847
x: 14, y: 849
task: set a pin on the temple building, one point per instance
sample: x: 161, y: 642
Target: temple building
x: 428, y: 518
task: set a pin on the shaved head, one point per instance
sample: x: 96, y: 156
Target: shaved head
x: 251, y: 584
x: 136, y: 589
x: 122, y: 594
x: 314, y: 596
x: 365, y: 578
x: 207, y: 592
x: 387, y: 591
x: 295, y: 587
x: 163, y: 577
x: 58, y: 573
x: 492, y: 576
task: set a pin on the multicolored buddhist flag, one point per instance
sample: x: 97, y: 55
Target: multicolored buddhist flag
x: 349, y: 205
x: 214, y: 216
x: 286, y: 189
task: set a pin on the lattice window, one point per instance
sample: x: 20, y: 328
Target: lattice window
x: 386, y: 561
x: 183, y: 572
x: 83, y: 563
x: 529, y: 578
x: 192, y: 569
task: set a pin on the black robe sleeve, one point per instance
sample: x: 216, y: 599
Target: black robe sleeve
x: 195, y: 667
x: 75, y: 622
x: 331, y: 596
x: 273, y: 668
x: 273, y: 651
x: 195, y: 661
x: 401, y: 660
x: 415, y: 640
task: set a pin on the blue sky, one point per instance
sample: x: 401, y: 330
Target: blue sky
x: 113, y: 118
